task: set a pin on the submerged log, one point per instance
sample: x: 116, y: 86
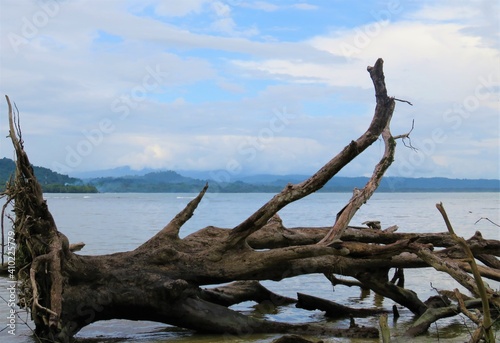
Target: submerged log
x: 240, y: 291
x: 293, y: 339
x: 332, y: 309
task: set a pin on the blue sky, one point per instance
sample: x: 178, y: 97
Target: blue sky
x: 250, y: 86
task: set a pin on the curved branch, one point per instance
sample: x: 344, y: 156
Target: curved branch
x: 423, y: 323
x: 361, y: 196
x: 171, y: 230
x: 383, y: 112
x: 482, y: 290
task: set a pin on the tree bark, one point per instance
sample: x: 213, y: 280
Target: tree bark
x: 334, y: 310
x: 162, y: 279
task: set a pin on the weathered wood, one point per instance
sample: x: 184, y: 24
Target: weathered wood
x: 292, y: 339
x: 381, y: 119
x: 240, y: 291
x: 422, y: 324
x: 384, y: 329
x: 484, y: 291
x: 332, y: 309
x: 450, y: 267
x: 489, y: 260
x: 377, y: 281
x: 349, y: 283
x: 74, y: 247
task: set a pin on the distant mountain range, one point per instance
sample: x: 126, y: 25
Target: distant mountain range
x: 124, y: 179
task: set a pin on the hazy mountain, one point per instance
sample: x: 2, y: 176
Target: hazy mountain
x: 223, y: 181
x: 114, y: 172
x: 225, y: 176
x: 125, y: 179
x: 158, y: 181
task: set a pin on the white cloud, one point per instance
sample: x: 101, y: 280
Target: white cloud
x: 153, y: 156
x: 221, y: 83
x: 221, y: 9
x: 443, y: 12
x: 271, y: 7
x: 246, y: 154
x: 406, y: 47
x: 179, y: 8
x: 262, y: 5
x: 304, y: 6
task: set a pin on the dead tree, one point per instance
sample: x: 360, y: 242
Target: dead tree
x: 162, y: 280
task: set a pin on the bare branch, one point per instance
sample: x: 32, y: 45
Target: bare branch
x: 492, y: 222
x: 172, y: 229
x: 400, y: 100
x: 482, y: 289
x: 464, y: 309
x: 336, y: 281
x: 423, y: 323
x: 360, y: 197
x: 383, y: 113
x: 407, y: 136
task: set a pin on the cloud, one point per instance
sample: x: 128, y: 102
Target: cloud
x: 305, y: 6
x: 407, y: 47
x: 480, y: 18
x: 178, y: 8
x: 271, y: 7
x: 243, y: 154
x: 262, y: 6
x: 189, y: 84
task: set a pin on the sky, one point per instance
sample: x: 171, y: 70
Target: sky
x: 250, y: 87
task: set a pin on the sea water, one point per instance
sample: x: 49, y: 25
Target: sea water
x: 109, y: 223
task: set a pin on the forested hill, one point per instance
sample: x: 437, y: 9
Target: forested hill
x: 51, y: 181
x: 171, y: 181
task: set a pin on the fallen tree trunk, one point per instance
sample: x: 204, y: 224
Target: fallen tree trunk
x: 161, y: 279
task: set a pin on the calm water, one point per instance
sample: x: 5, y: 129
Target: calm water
x: 118, y: 222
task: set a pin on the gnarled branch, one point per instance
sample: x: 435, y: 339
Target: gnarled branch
x: 383, y: 113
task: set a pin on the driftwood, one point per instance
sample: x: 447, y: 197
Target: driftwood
x: 240, y: 291
x: 334, y: 310
x: 432, y: 314
x: 292, y: 339
x: 162, y: 280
